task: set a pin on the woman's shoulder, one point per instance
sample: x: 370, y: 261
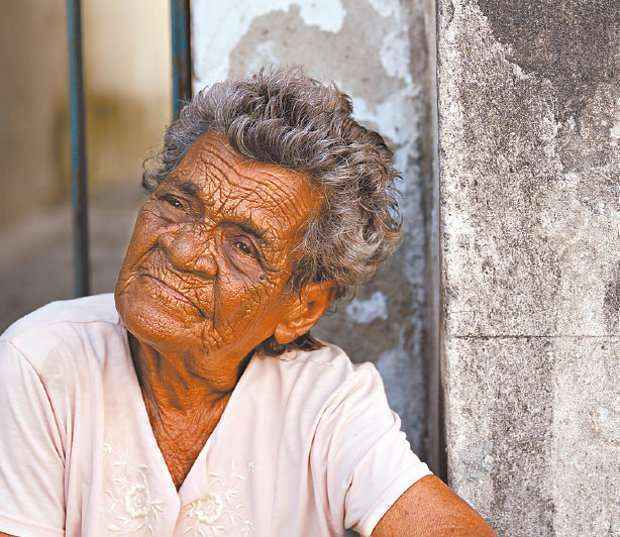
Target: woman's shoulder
x: 62, y: 313
x: 321, y: 378
x: 66, y: 332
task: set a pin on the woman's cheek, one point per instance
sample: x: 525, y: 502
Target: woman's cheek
x: 143, y: 238
x: 150, y: 224
x: 241, y: 296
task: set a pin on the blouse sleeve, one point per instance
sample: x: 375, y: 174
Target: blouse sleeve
x: 366, y: 460
x: 31, y: 453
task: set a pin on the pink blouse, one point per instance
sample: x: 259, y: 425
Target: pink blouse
x: 307, y: 444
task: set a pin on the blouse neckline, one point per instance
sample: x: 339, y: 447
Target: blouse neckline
x: 192, y: 486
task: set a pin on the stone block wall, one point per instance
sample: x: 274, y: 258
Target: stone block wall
x: 529, y: 211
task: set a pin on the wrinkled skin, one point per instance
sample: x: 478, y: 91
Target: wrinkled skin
x: 195, y: 276
x: 205, y: 280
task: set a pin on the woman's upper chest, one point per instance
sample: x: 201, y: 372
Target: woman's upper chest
x: 181, y: 434
x: 246, y: 468
x: 252, y: 464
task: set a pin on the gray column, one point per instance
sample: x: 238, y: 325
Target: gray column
x: 530, y: 261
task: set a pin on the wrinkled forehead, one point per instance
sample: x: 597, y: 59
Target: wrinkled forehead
x: 227, y: 180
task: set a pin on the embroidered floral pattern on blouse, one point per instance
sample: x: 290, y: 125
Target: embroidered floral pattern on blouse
x: 130, y: 502
x: 221, y: 510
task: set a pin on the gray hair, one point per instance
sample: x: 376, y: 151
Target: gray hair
x: 286, y: 118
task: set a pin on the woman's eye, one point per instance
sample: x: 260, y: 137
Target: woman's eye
x: 173, y: 201
x: 243, y: 247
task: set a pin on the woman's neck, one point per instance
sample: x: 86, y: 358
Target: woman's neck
x: 172, y: 383
x: 183, y: 406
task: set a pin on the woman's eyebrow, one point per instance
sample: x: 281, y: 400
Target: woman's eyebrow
x: 250, y: 227
x: 184, y: 186
x: 188, y: 187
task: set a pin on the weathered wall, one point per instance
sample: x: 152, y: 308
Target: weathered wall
x: 530, y: 249
x: 375, y: 51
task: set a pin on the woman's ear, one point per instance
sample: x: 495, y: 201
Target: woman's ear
x: 307, y: 308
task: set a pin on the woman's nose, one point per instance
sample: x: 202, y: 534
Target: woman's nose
x: 190, y: 251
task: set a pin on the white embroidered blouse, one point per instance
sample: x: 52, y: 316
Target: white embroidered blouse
x: 307, y: 444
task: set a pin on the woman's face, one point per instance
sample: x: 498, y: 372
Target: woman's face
x: 207, y: 267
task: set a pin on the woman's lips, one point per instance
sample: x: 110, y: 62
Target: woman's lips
x: 171, y: 290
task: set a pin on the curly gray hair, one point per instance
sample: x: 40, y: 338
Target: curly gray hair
x: 287, y: 118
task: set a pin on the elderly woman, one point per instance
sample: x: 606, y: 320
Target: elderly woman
x: 194, y: 401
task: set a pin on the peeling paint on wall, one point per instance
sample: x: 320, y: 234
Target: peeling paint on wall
x: 366, y: 311
x: 529, y: 229
x: 228, y: 24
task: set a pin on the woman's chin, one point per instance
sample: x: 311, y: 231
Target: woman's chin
x: 156, y: 322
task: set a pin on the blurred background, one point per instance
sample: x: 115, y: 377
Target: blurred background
x: 126, y: 52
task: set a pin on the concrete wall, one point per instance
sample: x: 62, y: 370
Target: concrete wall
x: 376, y: 51
x: 530, y: 269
